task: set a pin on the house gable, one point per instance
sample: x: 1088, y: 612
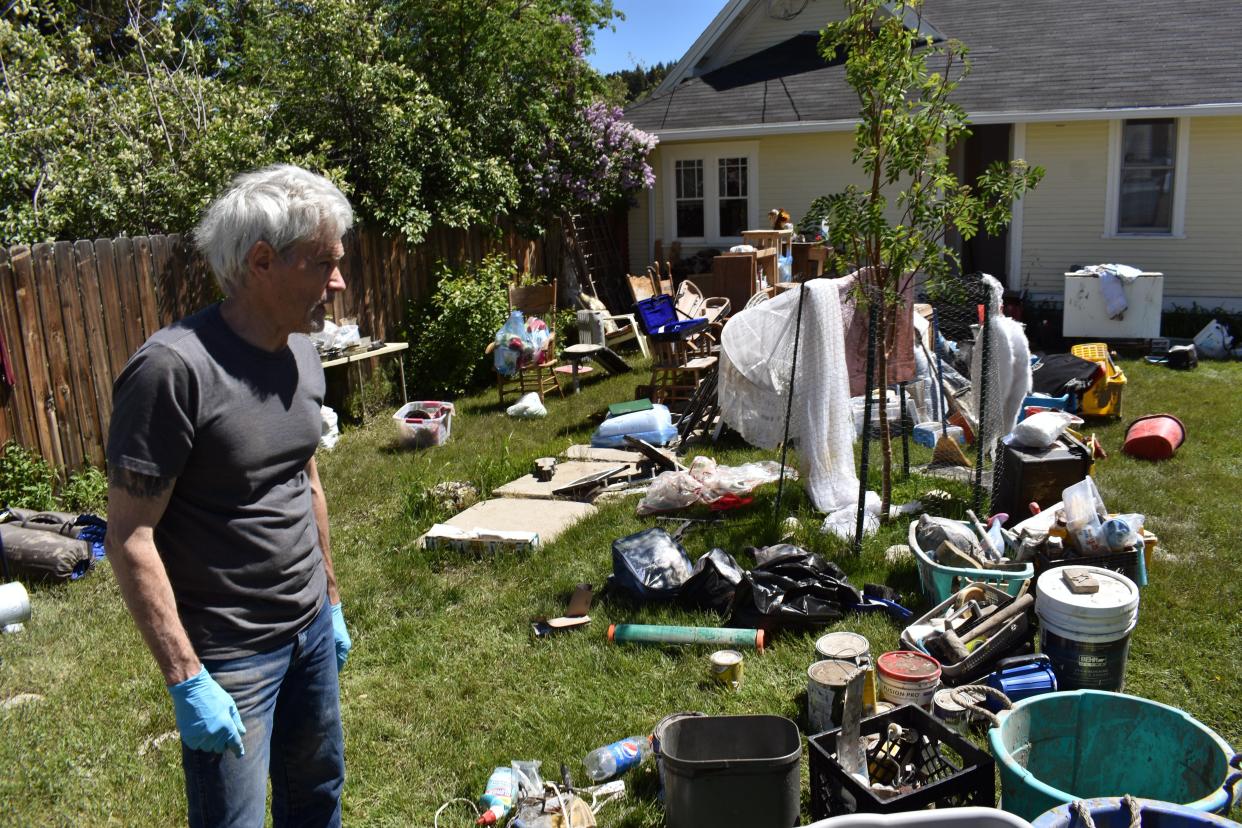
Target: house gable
x: 1059, y: 57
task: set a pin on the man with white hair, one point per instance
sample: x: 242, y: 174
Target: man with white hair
x: 217, y: 522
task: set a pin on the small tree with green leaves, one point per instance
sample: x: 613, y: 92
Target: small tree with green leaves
x: 905, y: 79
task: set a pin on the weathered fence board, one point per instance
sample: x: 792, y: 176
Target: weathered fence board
x: 96, y: 338
x: 14, y: 399
x: 72, y: 313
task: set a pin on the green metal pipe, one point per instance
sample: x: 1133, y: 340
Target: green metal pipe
x: 663, y: 634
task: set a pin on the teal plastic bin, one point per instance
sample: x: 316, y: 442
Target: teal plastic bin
x: 941, y: 582
x: 1056, y: 748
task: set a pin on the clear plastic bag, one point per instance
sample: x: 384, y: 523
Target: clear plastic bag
x: 1123, y: 531
x: 509, y: 344
x: 1084, y: 516
x: 706, y: 482
x: 670, y: 491
x: 1042, y: 429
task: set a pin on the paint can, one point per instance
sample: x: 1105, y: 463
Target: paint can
x: 825, y: 693
x: 14, y: 604
x: 908, y: 677
x: 726, y: 668
x: 856, y: 649
x: 953, y: 713
x: 844, y: 646
x: 1087, y: 636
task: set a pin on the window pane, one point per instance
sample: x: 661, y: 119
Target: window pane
x: 1146, y: 200
x: 732, y: 177
x: 689, y: 219
x: 732, y: 216
x: 689, y: 178
x: 1149, y: 143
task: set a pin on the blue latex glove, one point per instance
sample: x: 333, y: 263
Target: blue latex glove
x: 206, y: 715
x: 343, y: 641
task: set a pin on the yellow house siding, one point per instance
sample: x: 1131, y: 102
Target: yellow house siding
x: 639, y: 240
x: 1064, y: 218
x: 759, y: 31
x: 1208, y: 261
x: 793, y: 170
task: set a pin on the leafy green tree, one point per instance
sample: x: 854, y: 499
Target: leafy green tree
x: 633, y: 85
x: 907, y: 121
x: 105, y: 142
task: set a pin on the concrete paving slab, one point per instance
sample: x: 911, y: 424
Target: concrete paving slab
x: 566, y: 472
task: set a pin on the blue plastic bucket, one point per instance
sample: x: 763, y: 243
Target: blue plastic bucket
x: 1059, y: 747
x: 1111, y: 812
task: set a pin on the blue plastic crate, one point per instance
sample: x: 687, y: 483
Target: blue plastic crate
x: 657, y: 318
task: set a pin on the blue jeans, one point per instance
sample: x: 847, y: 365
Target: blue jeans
x: 289, y: 701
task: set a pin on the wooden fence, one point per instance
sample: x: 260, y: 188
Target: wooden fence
x: 72, y: 313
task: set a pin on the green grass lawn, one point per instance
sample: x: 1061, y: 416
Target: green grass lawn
x: 446, y: 680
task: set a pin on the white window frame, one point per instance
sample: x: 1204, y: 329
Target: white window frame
x: 1181, y: 171
x: 710, y: 155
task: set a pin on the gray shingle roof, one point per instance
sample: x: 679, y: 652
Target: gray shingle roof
x: 1028, y: 56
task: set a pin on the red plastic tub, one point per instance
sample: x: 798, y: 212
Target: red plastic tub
x: 1154, y: 437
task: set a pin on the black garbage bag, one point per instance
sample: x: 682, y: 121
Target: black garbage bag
x: 650, y: 565
x: 792, y: 589
x: 714, y: 582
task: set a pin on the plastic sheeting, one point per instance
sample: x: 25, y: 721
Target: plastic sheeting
x: 757, y: 348
x: 1009, y: 370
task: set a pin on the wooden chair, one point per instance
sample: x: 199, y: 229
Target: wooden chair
x: 663, y: 280
x: 641, y: 287
x: 540, y: 301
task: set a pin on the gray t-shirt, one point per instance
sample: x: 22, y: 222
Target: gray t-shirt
x: 236, y: 426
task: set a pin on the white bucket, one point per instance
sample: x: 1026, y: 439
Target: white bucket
x: 14, y: 604
x: 1087, y: 636
x: 825, y: 692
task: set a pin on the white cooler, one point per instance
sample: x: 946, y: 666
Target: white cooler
x: 1086, y: 314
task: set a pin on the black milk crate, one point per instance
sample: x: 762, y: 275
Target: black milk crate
x: 1125, y: 562
x: 952, y: 772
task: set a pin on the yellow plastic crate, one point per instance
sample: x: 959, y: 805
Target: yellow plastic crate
x: 1103, y: 398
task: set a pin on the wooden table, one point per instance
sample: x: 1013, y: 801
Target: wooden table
x: 357, y: 359
x: 778, y: 240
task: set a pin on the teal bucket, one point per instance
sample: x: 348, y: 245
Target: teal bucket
x: 1112, y: 812
x: 1056, y: 748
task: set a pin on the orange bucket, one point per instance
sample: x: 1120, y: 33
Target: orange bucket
x: 1154, y: 437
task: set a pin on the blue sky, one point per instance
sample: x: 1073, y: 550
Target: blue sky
x: 653, y: 31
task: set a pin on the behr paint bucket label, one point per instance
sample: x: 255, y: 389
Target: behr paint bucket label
x: 1081, y: 665
x: 726, y: 668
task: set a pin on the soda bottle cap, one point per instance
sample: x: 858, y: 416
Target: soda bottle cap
x: 488, y: 818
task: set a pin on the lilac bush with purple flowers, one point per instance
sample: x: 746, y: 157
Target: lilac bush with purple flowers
x: 590, y: 158
x: 597, y: 162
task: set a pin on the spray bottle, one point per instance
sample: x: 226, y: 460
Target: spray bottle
x: 498, y: 798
